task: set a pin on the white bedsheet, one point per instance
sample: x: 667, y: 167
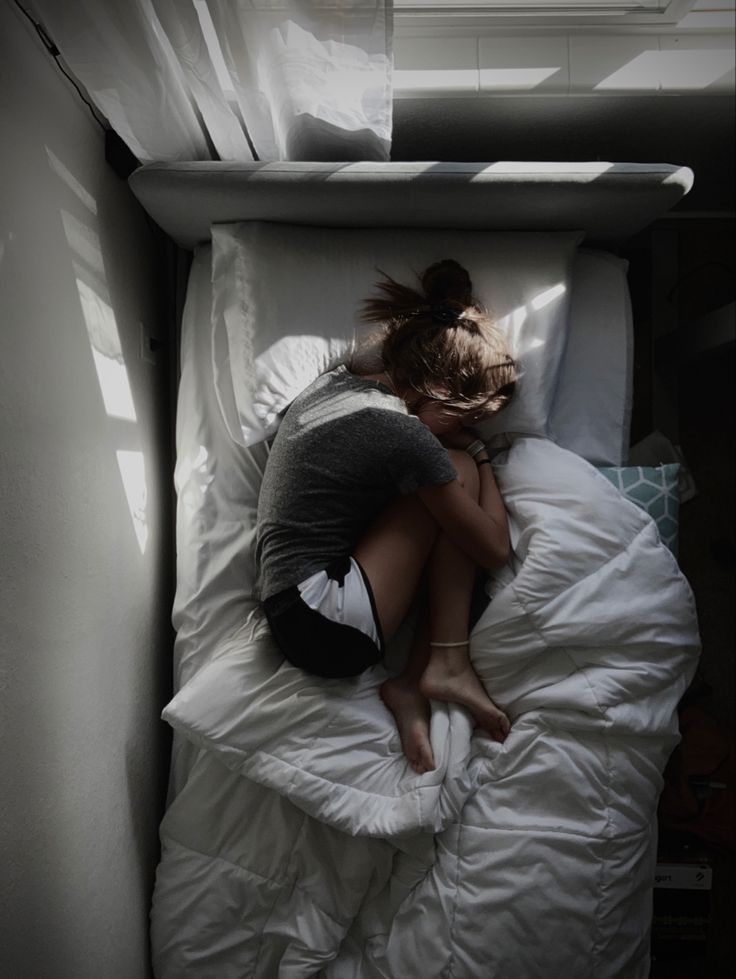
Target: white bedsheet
x: 302, y: 840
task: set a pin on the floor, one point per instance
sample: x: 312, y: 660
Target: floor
x: 694, y: 934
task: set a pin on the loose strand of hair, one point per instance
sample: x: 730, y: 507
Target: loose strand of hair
x: 398, y: 302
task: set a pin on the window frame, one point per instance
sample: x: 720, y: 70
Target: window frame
x: 568, y: 14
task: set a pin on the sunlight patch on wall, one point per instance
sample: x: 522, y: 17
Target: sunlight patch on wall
x: 469, y: 79
x: 84, y: 242
x: 88, y: 266
x: 132, y: 468
x: 99, y: 319
x: 514, y: 79
x: 71, y: 181
x: 653, y: 71
x: 694, y: 69
x: 107, y: 354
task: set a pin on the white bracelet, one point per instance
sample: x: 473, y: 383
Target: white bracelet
x: 475, y: 448
x: 448, y: 645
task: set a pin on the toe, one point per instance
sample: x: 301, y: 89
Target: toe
x: 498, y: 726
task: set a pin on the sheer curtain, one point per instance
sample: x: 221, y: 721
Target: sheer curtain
x: 234, y: 79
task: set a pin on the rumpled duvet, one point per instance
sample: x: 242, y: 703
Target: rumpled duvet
x: 302, y: 843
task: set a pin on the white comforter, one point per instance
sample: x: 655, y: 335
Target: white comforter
x: 302, y: 844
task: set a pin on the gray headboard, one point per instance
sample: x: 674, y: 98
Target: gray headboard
x: 609, y: 201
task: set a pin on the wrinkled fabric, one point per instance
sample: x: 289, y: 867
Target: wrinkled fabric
x: 234, y: 79
x: 302, y: 840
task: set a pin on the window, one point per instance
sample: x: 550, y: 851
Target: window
x: 544, y: 12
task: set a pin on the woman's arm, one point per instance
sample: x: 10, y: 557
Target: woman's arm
x: 480, y: 528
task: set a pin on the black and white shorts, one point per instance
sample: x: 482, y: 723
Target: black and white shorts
x: 328, y: 624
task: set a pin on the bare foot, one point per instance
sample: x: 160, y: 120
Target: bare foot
x: 411, y: 712
x: 450, y: 677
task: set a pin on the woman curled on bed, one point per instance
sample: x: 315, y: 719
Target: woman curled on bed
x: 375, y: 484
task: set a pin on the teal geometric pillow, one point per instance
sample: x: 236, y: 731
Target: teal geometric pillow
x: 654, y: 490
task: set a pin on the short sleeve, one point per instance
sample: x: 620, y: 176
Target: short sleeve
x: 415, y: 457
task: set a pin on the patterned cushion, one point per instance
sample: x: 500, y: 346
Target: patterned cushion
x: 654, y: 490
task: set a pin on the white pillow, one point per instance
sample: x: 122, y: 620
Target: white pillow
x: 591, y: 412
x: 286, y: 302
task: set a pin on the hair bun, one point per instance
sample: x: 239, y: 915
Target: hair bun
x: 447, y: 281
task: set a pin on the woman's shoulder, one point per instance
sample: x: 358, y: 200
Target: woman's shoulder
x: 365, y: 387
x: 338, y: 397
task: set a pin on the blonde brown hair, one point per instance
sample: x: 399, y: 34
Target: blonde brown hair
x: 440, y: 343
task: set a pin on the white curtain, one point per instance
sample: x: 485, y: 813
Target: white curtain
x: 234, y: 79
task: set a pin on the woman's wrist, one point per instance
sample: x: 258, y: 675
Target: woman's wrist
x: 477, y: 449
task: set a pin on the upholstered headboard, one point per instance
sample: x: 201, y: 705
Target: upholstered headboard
x: 608, y: 201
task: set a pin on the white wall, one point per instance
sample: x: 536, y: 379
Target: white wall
x: 577, y: 64
x: 85, y: 550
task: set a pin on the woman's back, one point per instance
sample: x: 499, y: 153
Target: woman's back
x: 346, y: 446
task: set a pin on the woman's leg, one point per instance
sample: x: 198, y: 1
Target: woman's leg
x: 394, y: 553
x: 448, y: 673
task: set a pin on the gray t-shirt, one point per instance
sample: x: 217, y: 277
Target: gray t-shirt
x: 345, y: 447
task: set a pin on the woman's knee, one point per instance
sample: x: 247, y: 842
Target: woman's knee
x: 467, y: 471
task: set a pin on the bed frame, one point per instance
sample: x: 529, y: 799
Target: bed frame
x: 307, y: 842
x: 609, y: 201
